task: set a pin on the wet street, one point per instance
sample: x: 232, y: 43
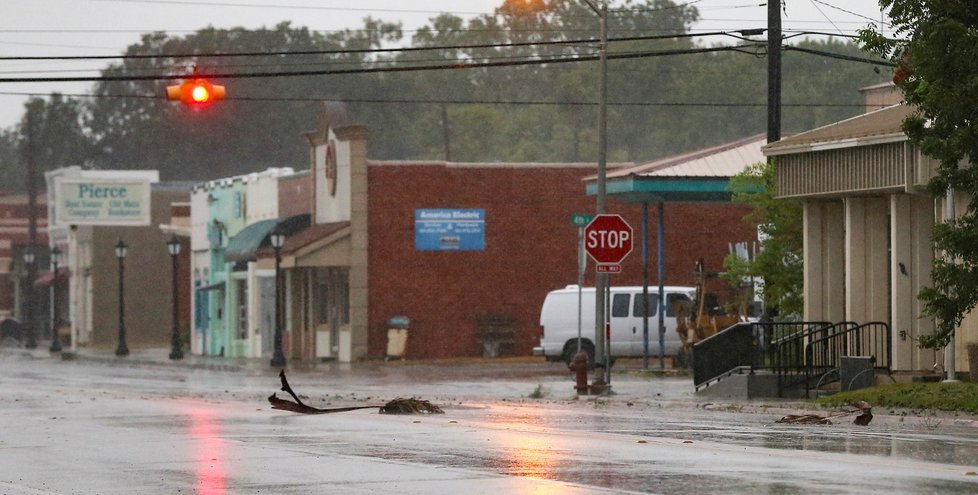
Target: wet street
x: 99, y: 427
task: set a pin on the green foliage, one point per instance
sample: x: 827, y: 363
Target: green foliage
x: 936, y: 53
x: 961, y: 397
x: 779, y: 261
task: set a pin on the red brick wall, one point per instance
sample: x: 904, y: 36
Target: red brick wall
x: 531, y: 248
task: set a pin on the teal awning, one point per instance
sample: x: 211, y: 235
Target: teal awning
x: 244, y: 244
x: 639, y: 189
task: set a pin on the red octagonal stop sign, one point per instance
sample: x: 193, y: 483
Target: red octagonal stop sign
x: 608, y: 239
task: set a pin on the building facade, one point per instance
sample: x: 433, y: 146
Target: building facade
x: 370, y: 256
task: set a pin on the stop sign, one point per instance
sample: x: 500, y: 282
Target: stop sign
x: 608, y: 239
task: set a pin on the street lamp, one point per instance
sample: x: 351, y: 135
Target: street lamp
x: 173, y: 246
x: 29, y: 318
x: 55, y: 338
x: 120, y: 252
x: 278, y: 240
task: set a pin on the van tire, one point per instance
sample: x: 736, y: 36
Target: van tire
x: 570, y: 349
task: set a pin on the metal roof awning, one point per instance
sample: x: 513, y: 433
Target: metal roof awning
x: 214, y: 286
x: 244, y: 244
x: 638, y: 189
x: 695, y: 177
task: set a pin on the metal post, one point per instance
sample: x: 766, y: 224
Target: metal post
x: 278, y: 359
x: 581, y: 265
x: 662, y: 270
x: 55, y: 338
x: 176, y: 350
x: 949, y: 356
x: 122, y: 349
x: 645, y: 285
x: 31, y: 340
x: 601, y: 280
x: 28, y: 323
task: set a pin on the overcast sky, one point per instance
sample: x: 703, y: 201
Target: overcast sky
x: 106, y: 27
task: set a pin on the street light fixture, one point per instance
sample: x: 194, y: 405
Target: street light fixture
x: 29, y: 318
x: 173, y: 246
x: 277, y: 238
x: 55, y: 338
x: 120, y: 252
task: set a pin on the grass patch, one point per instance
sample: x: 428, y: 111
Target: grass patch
x: 961, y: 397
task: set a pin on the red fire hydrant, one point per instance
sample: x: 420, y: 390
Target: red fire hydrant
x: 579, y: 366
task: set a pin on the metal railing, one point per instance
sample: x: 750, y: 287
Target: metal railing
x: 805, y: 354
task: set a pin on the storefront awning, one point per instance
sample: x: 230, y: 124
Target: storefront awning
x: 244, y: 244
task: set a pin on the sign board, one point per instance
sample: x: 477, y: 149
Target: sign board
x: 450, y: 230
x: 122, y: 202
x: 607, y: 240
x: 581, y: 220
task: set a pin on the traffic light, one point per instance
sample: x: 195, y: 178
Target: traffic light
x: 197, y: 92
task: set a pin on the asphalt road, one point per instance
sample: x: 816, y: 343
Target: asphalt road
x: 107, y: 427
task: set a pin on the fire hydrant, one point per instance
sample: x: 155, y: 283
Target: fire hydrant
x: 579, y: 366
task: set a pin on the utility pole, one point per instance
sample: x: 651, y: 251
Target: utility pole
x: 31, y: 342
x: 601, y: 279
x: 773, y: 71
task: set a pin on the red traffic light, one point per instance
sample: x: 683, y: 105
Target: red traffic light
x: 195, y: 92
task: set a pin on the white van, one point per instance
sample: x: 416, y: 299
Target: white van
x: 558, y: 321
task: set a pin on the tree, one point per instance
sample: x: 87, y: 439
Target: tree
x: 936, y: 52
x: 779, y: 262
x: 59, y: 139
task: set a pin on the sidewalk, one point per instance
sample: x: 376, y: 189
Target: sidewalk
x: 143, y: 358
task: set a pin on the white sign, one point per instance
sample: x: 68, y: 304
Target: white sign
x: 102, y: 201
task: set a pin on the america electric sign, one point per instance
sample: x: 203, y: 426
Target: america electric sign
x: 102, y: 202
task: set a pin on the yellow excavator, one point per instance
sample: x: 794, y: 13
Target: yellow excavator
x: 708, y: 319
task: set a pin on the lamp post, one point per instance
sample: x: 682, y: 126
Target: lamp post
x: 601, y: 279
x: 29, y: 317
x: 278, y: 240
x: 55, y: 338
x: 120, y: 252
x: 173, y: 246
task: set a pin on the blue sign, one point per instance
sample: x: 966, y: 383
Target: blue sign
x: 450, y: 230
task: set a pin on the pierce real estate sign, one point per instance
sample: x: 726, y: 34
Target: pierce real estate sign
x: 102, y: 201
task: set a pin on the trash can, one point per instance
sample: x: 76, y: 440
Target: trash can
x: 397, y: 334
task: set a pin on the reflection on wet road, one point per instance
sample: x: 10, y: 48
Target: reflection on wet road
x: 146, y: 431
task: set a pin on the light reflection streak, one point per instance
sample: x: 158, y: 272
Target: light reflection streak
x: 209, y: 449
x: 524, y: 452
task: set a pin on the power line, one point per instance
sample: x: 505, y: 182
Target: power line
x: 412, y: 68
x: 462, y: 102
x: 840, y: 56
x: 351, y: 51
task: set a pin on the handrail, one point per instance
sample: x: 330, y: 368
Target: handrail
x: 797, y: 352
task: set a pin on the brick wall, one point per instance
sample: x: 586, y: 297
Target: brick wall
x: 531, y: 248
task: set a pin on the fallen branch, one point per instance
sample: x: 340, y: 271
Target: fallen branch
x: 396, y: 406
x: 862, y: 407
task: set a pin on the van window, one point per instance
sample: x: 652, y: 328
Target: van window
x: 680, y: 299
x: 653, y: 305
x: 619, y: 305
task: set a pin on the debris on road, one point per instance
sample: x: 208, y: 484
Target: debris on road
x: 862, y: 407
x: 396, y: 406
x: 410, y: 406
